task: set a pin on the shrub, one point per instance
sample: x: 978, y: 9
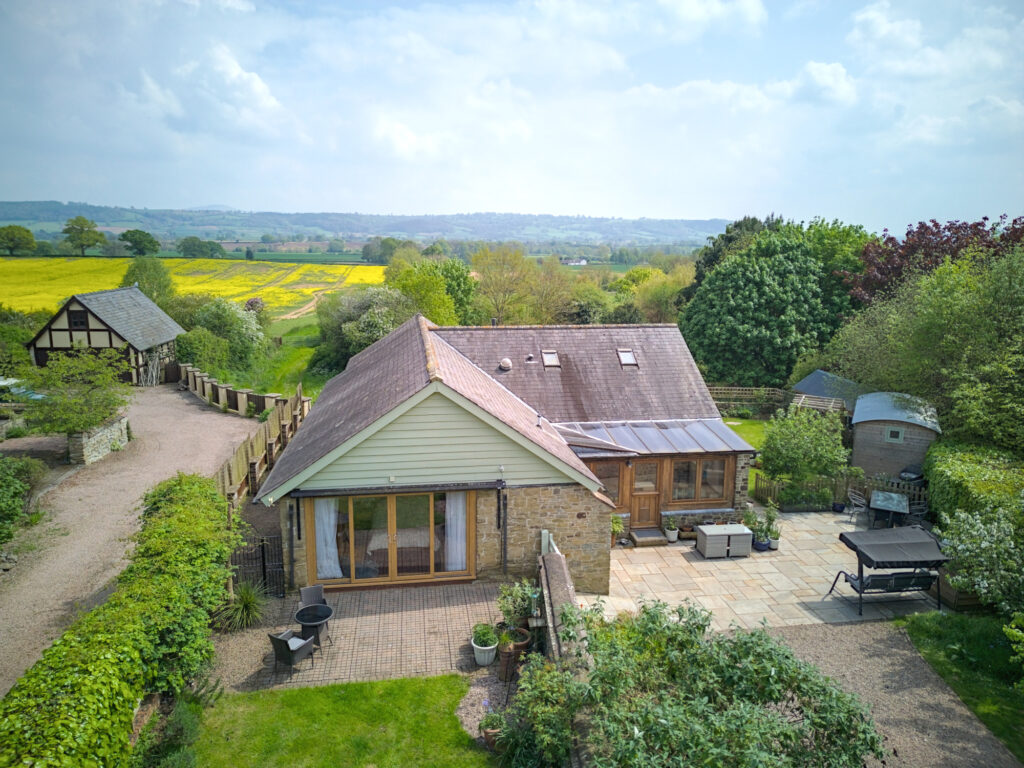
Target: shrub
x: 978, y: 495
x: 662, y: 690
x: 801, y: 444
x: 1015, y: 632
x: 75, y: 706
x: 18, y: 478
x: 515, y: 601
x: 244, y: 610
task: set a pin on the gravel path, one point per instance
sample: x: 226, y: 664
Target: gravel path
x: 923, y: 722
x: 69, y: 561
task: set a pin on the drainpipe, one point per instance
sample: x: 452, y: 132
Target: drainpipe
x: 502, y: 505
x: 291, y: 544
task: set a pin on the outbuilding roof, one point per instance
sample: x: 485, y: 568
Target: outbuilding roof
x: 893, y: 406
x: 607, y: 439
x: 821, y: 383
x: 132, y: 315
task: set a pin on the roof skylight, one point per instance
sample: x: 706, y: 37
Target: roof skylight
x: 550, y: 358
x: 626, y: 357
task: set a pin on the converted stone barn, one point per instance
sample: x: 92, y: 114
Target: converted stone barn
x: 442, y: 453
x: 123, y: 318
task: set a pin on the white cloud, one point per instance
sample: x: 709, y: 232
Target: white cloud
x: 704, y: 12
x: 830, y: 81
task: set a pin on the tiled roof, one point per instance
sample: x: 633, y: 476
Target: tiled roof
x: 133, y: 315
x: 388, y: 373
x: 591, y: 383
x: 821, y: 383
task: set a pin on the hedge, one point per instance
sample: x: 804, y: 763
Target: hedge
x: 75, y: 705
x: 978, y: 493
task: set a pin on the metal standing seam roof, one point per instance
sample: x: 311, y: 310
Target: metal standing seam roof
x: 893, y: 406
x: 132, y: 315
x: 599, y: 439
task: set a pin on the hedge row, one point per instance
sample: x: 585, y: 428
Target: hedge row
x: 972, y: 478
x: 75, y: 705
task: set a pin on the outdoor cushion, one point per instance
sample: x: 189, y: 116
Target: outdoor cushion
x: 294, y: 643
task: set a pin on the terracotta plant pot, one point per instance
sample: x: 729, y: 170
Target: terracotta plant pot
x: 490, y: 737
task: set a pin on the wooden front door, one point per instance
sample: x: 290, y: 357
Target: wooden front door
x: 645, y: 510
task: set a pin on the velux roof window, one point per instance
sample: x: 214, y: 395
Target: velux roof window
x: 626, y: 357
x: 550, y: 358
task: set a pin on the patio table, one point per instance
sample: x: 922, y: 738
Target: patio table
x: 311, y: 618
x: 891, y: 502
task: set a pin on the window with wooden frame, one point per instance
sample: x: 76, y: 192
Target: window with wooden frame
x: 78, y: 320
x: 894, y: 434
x: 698, y: 479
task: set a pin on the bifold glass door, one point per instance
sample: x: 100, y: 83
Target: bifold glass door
x: 391, y: 537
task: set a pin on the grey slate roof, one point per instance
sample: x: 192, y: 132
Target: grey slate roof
x: 821, y: 383
x: 893, y: 406
x: 591, y: 384
x: 132, y: 315
x: 388, y: 373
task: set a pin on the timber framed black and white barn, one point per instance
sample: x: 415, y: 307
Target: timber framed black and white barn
x: 121, y: 318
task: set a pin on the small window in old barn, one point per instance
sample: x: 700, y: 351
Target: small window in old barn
x: 550, y: 358
x: 893, y: 435
x: 626, y: 357
x: 78, y: 319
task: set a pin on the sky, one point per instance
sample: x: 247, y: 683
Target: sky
x: 875, y: 113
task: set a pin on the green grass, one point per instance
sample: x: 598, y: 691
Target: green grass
x: 971, y: 653
x: 751, y: 430
x: 390, y: 724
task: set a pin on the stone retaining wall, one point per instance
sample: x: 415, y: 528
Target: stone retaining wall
x: 87, y: 447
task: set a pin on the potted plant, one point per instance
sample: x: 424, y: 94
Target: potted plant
x: 515, y: 601
x: 618, y: 528
x: 757, y: 526
x: 671, y: 529
x: 485, y: 644
x: 774, y: 533
x: 507, y: 656
x: 490, y: 727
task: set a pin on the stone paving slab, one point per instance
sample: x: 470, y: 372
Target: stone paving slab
x: 784, y: 587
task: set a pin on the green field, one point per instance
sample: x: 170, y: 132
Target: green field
x: 43, y: 283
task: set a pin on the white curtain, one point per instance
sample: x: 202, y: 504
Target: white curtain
x: 327, y: 565
x: 455, y: 531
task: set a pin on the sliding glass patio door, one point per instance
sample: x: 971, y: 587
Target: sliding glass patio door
x: 393, y: 537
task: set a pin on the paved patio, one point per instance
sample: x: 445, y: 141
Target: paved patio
x: 784, y: 587
x: 377, y: 634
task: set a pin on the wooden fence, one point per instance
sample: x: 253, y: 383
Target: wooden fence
x: 765, y: 400
x: 241, y: 475
x: 766, y: 489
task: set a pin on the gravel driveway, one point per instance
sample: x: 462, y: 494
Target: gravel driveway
x: 69, y: 561
x: 922, y: 721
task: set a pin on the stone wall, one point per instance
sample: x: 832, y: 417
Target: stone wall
x: 744, y: 461
x: 298, y: 568
x: 87, y: 447
x: 579, y: 523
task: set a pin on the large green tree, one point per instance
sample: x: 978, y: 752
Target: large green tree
x: 737, y: 237
x: 757, y: 313
x: 424, y: 285
x: 83, y: 389
x: 16, y: 240
x: 152, y: 277
x: 140, y: 243
x: 503, y: 274
x: 351, y: 321
x: 192, y: 247
x: 82, y: 234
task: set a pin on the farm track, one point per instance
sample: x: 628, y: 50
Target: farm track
x: 310, y: 306
x: 70, y: 560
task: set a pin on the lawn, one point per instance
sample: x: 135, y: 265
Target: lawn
x: 43, y: 283
x: 751, y: 430
x: 971, y: 653
x: 389, y: 724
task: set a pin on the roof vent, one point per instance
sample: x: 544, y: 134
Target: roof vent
x: 505, y: 364
x: 529, y: 358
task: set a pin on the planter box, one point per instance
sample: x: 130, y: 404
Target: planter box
x: 956, y: 599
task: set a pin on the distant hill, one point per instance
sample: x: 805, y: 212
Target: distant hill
x: 49, y: 216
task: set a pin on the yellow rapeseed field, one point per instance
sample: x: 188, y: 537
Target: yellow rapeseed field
x: 27, y: 284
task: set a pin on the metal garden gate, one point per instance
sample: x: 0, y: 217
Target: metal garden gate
x: 260, y: 560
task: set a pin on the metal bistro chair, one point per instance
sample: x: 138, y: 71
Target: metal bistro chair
x: 918, y: 513
x: 858, y: 503
x: 315, y: 596
x: 290, y: 649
